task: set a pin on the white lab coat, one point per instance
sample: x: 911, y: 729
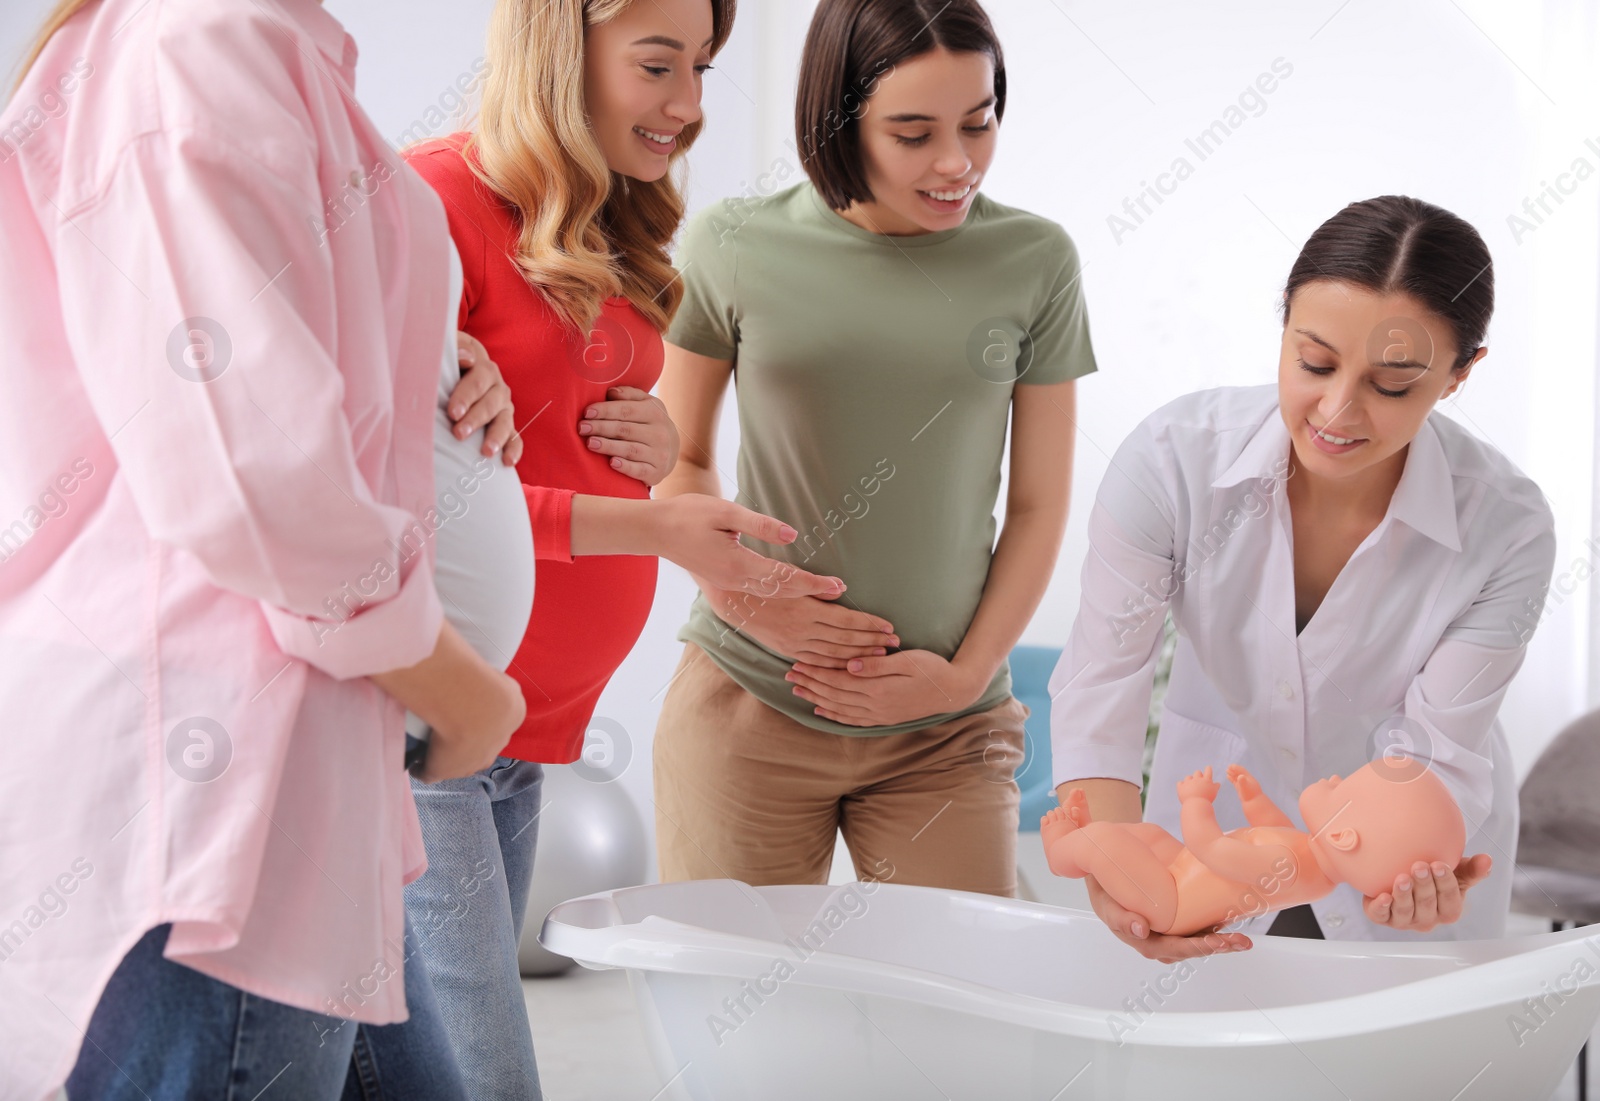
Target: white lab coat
x: 1413, y: 646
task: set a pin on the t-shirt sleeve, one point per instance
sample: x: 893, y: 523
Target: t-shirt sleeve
x: 1060, y: 330
x: 707, y: 321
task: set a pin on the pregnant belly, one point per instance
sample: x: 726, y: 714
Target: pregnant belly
x: 483, y: 565
x: 587, y: 615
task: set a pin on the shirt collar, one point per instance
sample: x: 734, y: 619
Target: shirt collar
x: 326, y: 31
x: 1425, y: 498
x: 1264, y: 455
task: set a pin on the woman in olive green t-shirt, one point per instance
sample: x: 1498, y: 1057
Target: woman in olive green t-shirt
x: 884, y: 320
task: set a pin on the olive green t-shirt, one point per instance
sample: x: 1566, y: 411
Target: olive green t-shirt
x: 874, y: 376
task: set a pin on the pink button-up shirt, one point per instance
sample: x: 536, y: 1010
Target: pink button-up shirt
x: 222, y: 305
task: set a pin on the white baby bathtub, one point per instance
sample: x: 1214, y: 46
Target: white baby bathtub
x: 892, y: 993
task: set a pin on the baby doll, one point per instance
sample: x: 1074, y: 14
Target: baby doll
x: 1364, y: 831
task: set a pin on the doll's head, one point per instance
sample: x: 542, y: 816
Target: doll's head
x: 1375, y: 825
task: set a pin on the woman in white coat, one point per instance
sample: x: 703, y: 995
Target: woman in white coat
x: 1350, y: 575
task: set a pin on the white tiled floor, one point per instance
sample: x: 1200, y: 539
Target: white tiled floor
x: 587, y: 1038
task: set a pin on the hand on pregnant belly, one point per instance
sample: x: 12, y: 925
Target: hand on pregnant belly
x: 811, y: 629
x: 633, y: 429
x: 483, y: 398
x: 883, y: 691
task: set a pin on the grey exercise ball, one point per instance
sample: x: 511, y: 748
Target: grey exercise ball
x: 591, y: 838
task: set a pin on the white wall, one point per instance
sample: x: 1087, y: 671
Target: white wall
x: 1473, y: 106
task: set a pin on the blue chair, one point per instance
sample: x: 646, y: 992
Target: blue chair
x: 1031, y: 667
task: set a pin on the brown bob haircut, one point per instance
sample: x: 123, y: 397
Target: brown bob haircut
x: 850, y: 46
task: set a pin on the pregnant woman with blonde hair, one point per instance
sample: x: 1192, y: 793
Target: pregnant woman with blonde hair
x: 562, y: 207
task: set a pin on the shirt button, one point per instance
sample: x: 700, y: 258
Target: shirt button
x: 356, y: 178
x: 1334, y: 921
x: 1286, y: 690
x: 1288, y: 754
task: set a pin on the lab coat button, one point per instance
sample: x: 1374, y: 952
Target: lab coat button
x: 1286, y: 690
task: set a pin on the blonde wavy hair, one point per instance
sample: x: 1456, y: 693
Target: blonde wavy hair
x: 587, y: 233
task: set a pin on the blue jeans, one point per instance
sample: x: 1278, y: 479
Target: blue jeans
x: 165, y: 1032
x: 425, y: 1064
x: 466, y: 911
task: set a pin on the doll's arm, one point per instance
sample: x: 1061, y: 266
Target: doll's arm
x: 1259, y: 809
x: 1230, y: 857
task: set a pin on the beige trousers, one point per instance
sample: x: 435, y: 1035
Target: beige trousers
x: 744, y: 792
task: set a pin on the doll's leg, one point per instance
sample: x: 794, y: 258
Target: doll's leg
x: 1055, y: 829
x: 1130, y: 860
x: 1058, y: 822
x: 1061, y: 821
x: 1063, y: 848
x: 1122, y: 860
x: 1163, y: 844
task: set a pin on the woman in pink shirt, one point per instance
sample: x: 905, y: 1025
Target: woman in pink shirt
x: 216, y: 593
x: 227, y: 302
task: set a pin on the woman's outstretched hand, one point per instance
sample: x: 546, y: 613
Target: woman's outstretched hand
x: 701, y: 533
x: 1429, y: 896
